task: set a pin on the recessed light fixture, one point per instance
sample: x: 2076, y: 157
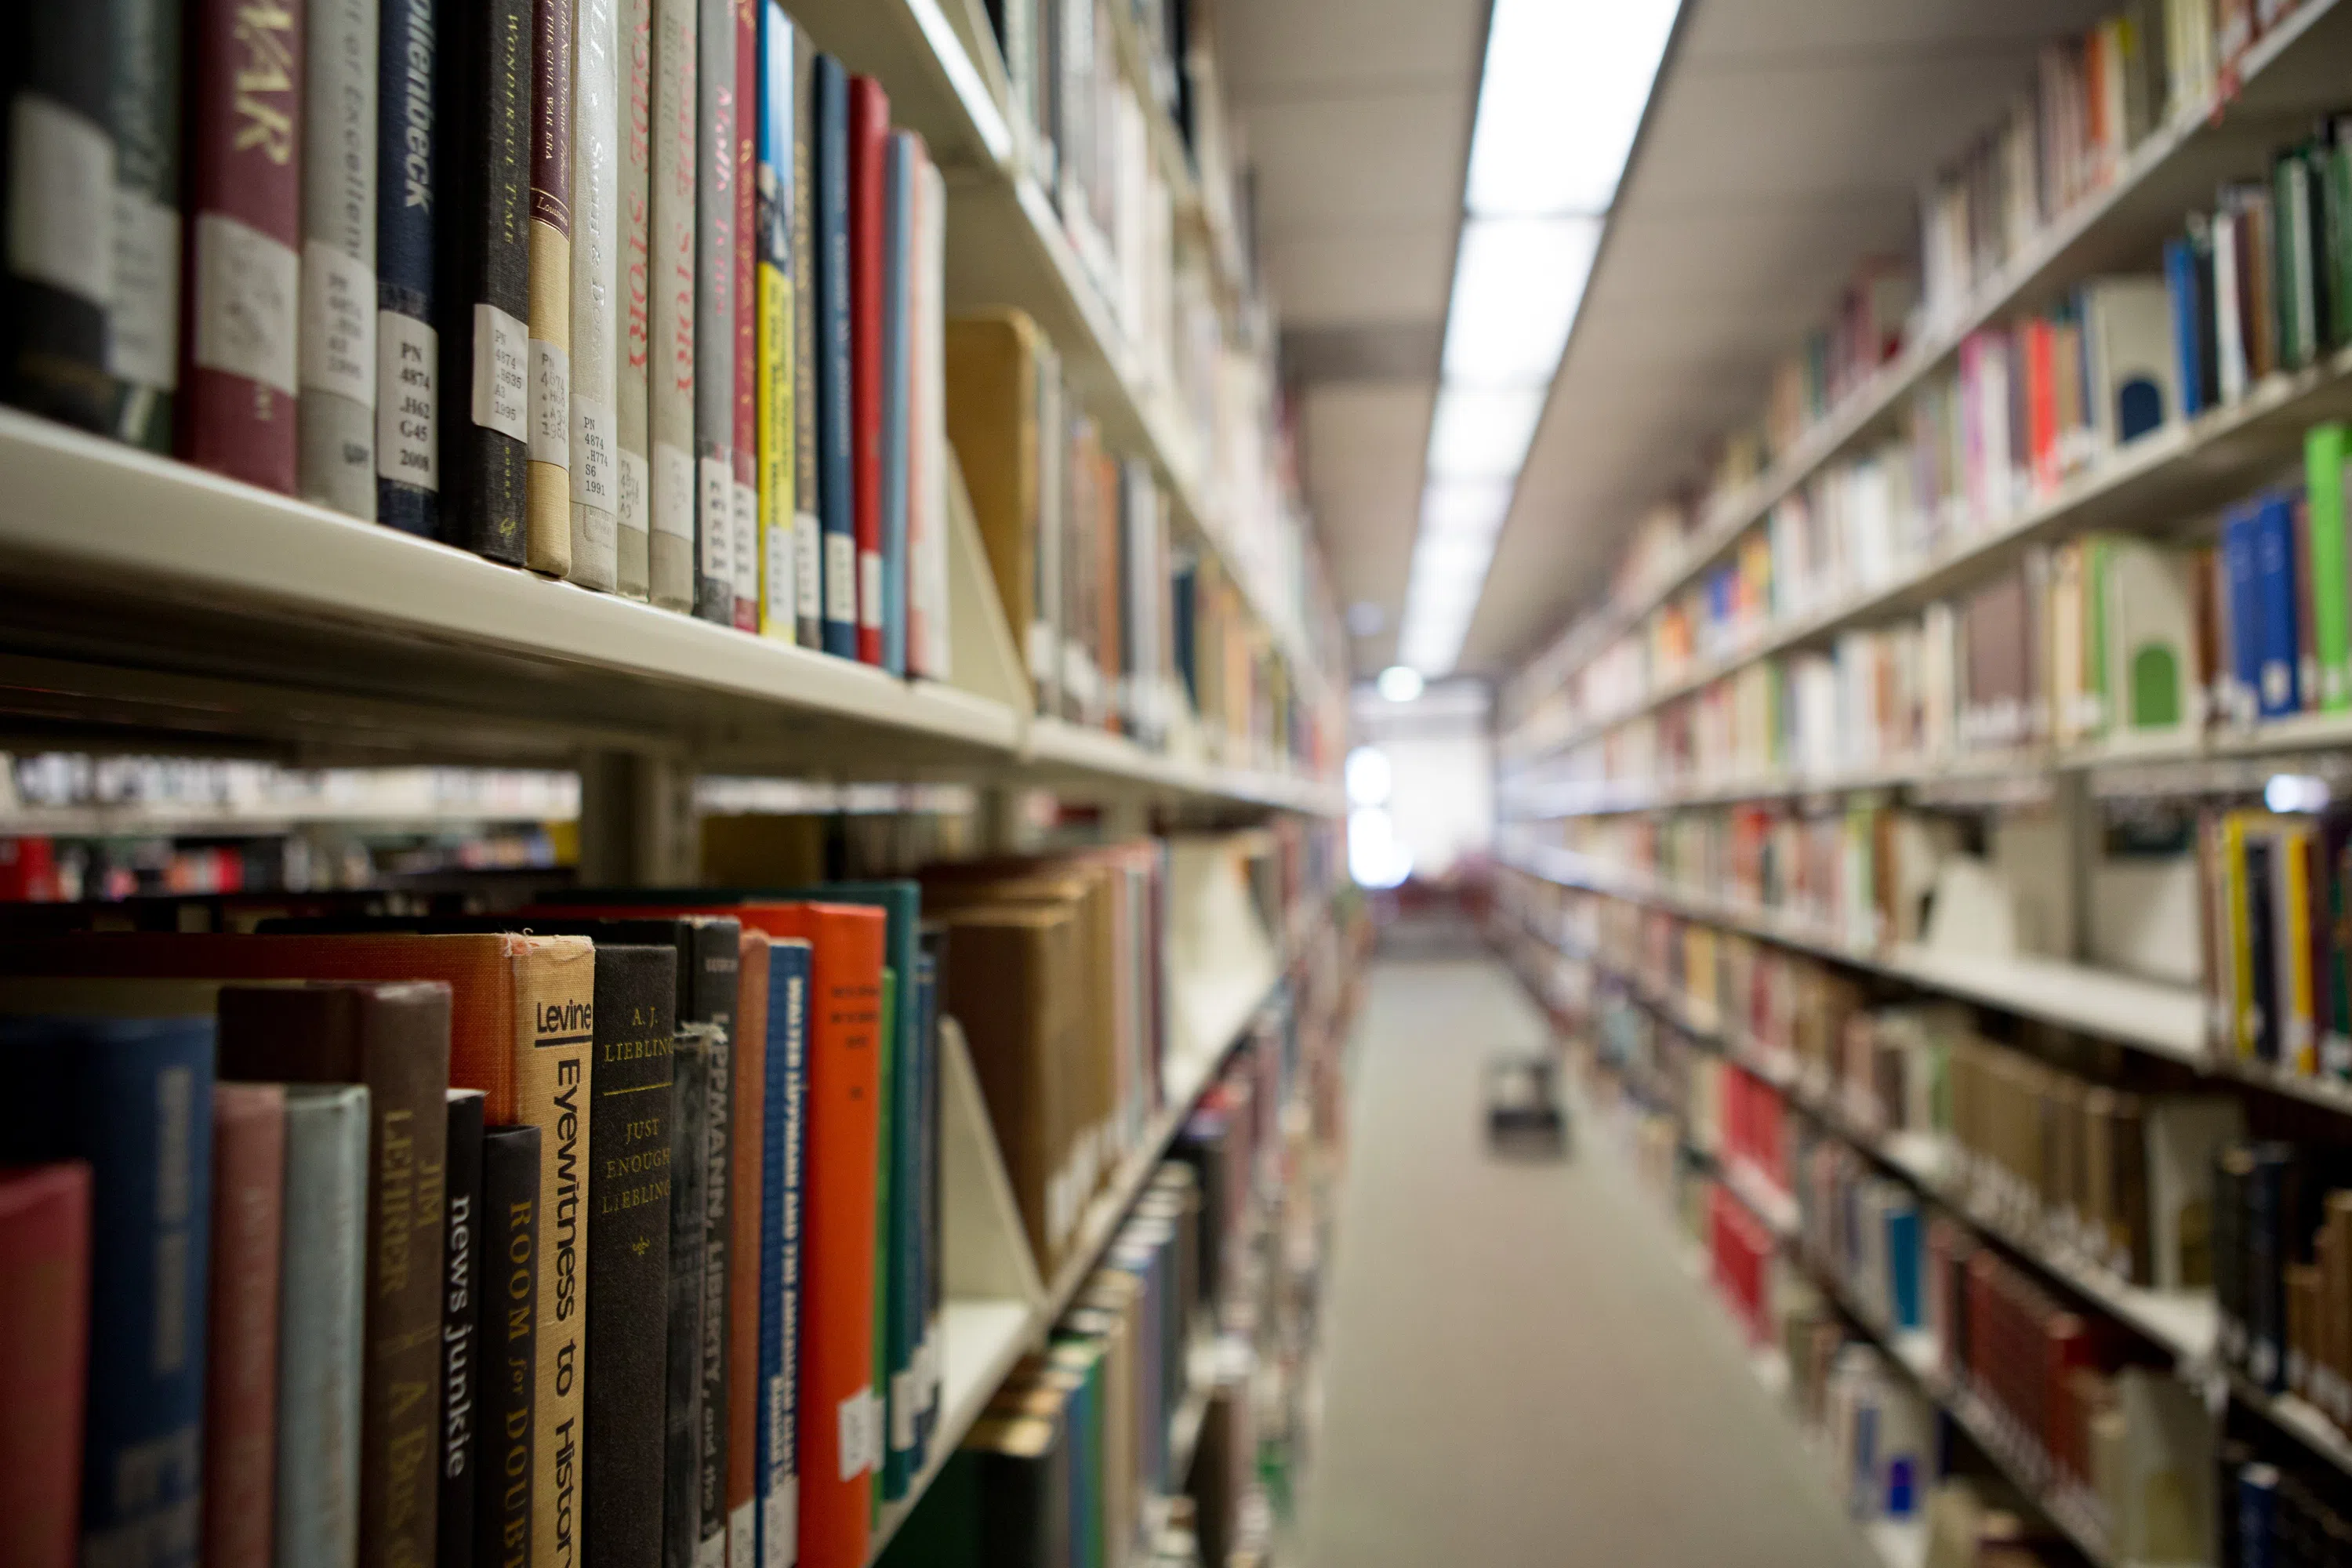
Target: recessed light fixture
x: 1401, y: 683
x: 1561, y: 98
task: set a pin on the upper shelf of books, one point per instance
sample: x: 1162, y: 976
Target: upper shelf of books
x: 1969, y: 402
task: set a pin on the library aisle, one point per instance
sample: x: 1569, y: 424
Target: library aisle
x: 1519, y: 1370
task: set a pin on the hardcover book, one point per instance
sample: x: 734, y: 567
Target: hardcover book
x: 393, y: 1038
x: 632, y: 413
x: 505, y: 1498
x: 143, y: 319
x: 463, y: 1393
x: 868, y: 150
x: 897, y: 365
x: 746, y: 1216
x: 321, y: 1348
x: 44, y: 1245
x: 784, y: 1124
x: 595, y: 293
x: 336, y: 413
x: 744, y: 555
x: 629, y: 1148
x: 407, y: 351
x: 682, y: 1343
x: 482, y: 283
x: 717, y: 1126
x: 61, y: 149
x: 241, y: 1329
x: 671, y: 392
x: 547, y: 494
x: 714, y: 336
x: 132, y: 1097
x: 778, y: 601
x: 245, y: 206
x: 835, y: 403
x: 808, y: 530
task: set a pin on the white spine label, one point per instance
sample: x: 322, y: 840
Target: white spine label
x: 143, y: 342
x: 711, y: 1554
x: 903, y: 1402
x: 672, y: 491
x: 407, y: 357
x: 779, y: 594
x: 747, y: 543
x: 841, y: 578
x: 717, y: 519
x: 743, y: 1543
x: 550, y: 403
x: 501, y: 385
x: 869, y: 589
x: 637, y: 498
x: 247, y: 285
x: 808, y: 572
x: 591, y: 438
x: 779, y: 1522
x: 338, y: 323
x: 60, y: 180
x: 858, y: 1439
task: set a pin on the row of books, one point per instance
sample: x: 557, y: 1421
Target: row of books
x: 2282, y: 1245
x: 2274, y: 947
x: 2280, y: 1505
x: 715, y: 1004
x: 46, y: 868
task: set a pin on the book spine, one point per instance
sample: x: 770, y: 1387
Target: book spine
x: 927, y: 624
x: 746, y: 1174
x: 778, y: 604
x: 897, y: 361
x: 506, y: 1489
x: 892, y: 1386
x: 718, y: 1188
x: 714, y: 306
x: 835, y: 408
x: 808, y: 532
x: 461, y: 1283
x: 595, y: 288
x: 45, y: 1244
x: 335, y: 414
x: 320, y: 1347
x: 408, y: 347
x: 930, y: 1292
x: 547, y: 492
x: 633, y: 429
x: 783, y: 1124
x: 60, y: 143
x: 241, y: 1332
x: 244, y: 201
x: 682, y: 1345
x: 142, y: 326
x: 743, y: 556
x: 628, y: 1249
x: 669, y: 375
x: 868, y: 147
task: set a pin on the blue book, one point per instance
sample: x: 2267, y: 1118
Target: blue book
x: 1903, y: 1266
x: 322, y: 1300
x: 2242, y: 573
x: 898, y: 367
x: 133, y: 1097
x: 784, y: 1140
x: 2257, y: 1506
x: 835, y: 411
x: 407, y: 352
x: 2280, y: 690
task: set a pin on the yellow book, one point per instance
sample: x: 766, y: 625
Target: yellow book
x: 779, y: 593
x: 2291, y: 875
x: 2245, y: 1025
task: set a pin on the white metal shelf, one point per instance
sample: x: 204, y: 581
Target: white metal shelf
x: 2290, y: 71
x: 154, y: 600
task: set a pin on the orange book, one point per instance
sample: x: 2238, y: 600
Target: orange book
x: 520, y: 1030
x: 743, y: 1283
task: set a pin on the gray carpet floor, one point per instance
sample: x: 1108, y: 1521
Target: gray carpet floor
x: 1519, y: 1372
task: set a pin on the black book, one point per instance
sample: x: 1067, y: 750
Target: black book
x: 2262, y: 960
x: 682, y: 1422
x: 408, y: 440
x: 930, y: 1293
x: 2270, y: 1201
x: 629, y: 1133
x: 716, y: 1206
x: 56, y: 133
x: 481, y: 292
x: 461, y: 1295
x: 510, y: 1361
x: 2234, y: 1166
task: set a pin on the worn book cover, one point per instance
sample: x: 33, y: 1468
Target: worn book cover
x: 336, y: 413
x: 504, y: 1499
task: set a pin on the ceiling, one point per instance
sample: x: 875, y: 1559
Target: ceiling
x: 1785, y: 140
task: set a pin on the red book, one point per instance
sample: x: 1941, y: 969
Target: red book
x: 241, y: 1327
x: 750, y: 548
x: 869, y: 139
x: 2041, y: 403
x: 244, y: 270
x: 43, y: 1350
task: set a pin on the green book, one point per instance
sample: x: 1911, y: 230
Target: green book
x: 2096, y: 553
x: 890, y: 1239
x: 2335, y: 159
x: 2322, y: 479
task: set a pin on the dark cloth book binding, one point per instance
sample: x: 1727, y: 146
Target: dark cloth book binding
x: 56, y: 134
x: 407, y: 356
x: 461, y: 1311
x: 682, y: 1418
x: 509, y: 1340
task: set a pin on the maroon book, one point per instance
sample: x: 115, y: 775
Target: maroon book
x: 869, y: 141
x: 43, y: 1349
x: 241, y: 1327
x: 747, y: 315
x: 245, y: 202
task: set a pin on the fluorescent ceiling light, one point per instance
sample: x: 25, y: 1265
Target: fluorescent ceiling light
x: 1452, y: 558
x: 1559, y: 100
x: 1398, y: 684
x: 1483, y: 432
x: 1471, y: 507
x: 1517, y: 282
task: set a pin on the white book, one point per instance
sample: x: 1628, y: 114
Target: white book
x: 2134, y: 367
x: 2151, y: 628
x: 595, y: 288
x: 669, y: 375
x: 2182, y: 1133
x: 929, y: 640
x: 2230, y: 351
x: 335, y: 413
x: 321, y: 1303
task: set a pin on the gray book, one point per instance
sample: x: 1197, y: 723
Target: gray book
x: 335, y: 416
x: 714, y: 316
x: 595, y: 286
x: 633, y: 464
x: 321, y: 1310
x: 670, y: 312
